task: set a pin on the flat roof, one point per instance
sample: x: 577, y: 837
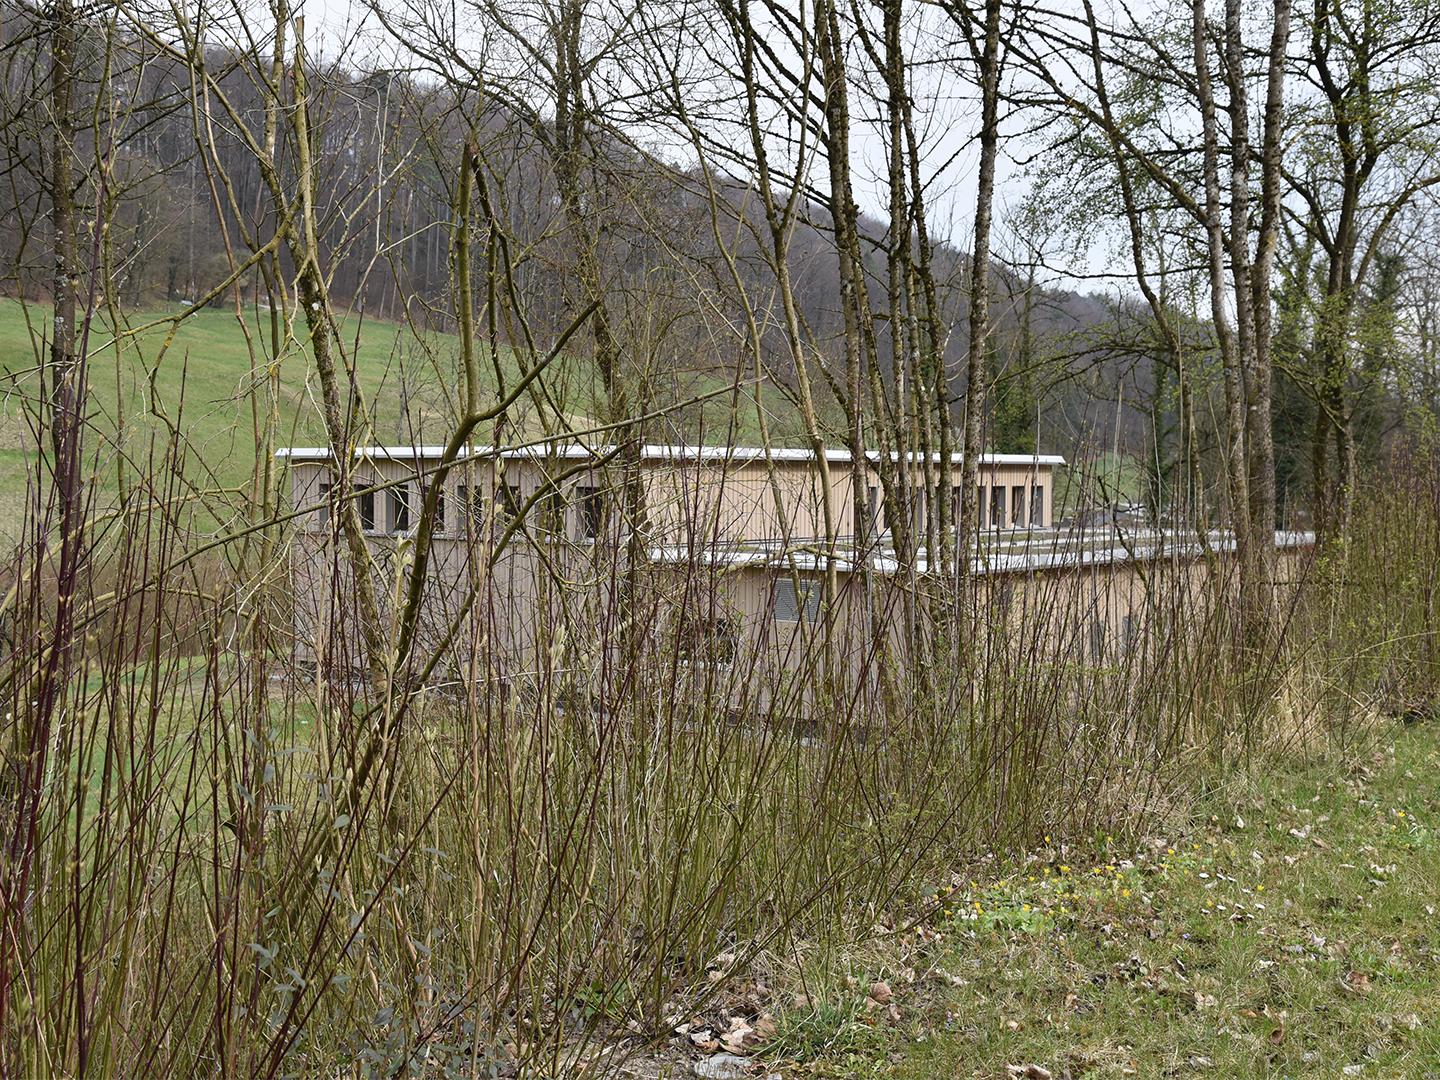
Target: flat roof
x: 649, y: 452
x: 1055, y: 550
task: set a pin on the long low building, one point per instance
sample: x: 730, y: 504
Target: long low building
x: 734, y: 566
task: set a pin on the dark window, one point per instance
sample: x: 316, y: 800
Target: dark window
x: 1097, y: 639
x: 867, y: 512
x: 365, y: 502
x: 1017, y: 505
x: 399, y: 508
x: 509, y: 502
x: 1130, y: 633
x: 1037, y: 507
x: 471, y: 505
x: 997, y: 506
x: 552, y: 509
x: 980, y: 506
x: 590, y: 507
x: 917, y: 515
x: 705, y: 639
x: 797, y: 603
x: 439, y: 525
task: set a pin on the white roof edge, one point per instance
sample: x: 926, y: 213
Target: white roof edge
x: 650, y: 451
x: 1039, y: 558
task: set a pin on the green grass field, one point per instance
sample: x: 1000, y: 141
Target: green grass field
x: 205, y: 386
x: 208, y: 387
x: 1289, y: 930
x: 1104, y: 480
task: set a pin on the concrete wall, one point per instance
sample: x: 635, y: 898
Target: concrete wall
x: 1097, y: 615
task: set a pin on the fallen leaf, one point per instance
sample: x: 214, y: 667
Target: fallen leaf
x: 705, y: 1040
x: 1357, y: 982
x: 738, y: 1037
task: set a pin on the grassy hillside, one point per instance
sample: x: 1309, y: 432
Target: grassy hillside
x: 207, y: 386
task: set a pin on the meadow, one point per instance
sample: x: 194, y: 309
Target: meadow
x: 215, y: 385
x: 1282, y: 925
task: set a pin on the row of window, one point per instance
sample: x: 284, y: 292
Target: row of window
x: 994, y: 509
x: 717, y: 640
x: 1017, y: 518
x: 396, y: 509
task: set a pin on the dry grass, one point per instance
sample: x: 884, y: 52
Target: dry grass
x: 199, y: 884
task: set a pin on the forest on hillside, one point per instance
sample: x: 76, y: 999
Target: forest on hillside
x: 673, y: 216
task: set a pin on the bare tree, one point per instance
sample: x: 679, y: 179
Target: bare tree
x: 1238, y: 245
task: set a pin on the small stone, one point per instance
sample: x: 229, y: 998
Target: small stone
x: 720, y: 1067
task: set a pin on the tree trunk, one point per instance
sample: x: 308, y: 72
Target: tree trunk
x: 340, y: 404
x: 1230, y: 350
x: 65, y: 273
x: 987, y: 58
x: 1260, y: 435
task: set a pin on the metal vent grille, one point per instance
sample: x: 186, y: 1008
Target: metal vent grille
x: 791, y: 606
